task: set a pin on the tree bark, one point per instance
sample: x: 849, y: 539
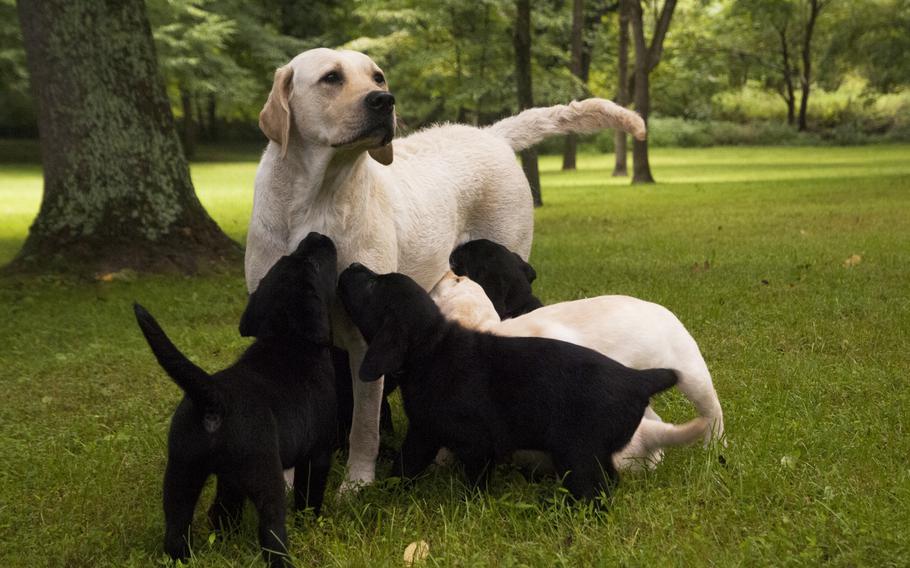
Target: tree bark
x: 576, y: 67
x: 815, y: 7
x: 522, y: 41
x: 188, y: 132
x: 646, y: 60
x: 117, y: 190
x: 620, y: 169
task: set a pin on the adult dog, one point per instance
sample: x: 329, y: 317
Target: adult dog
x: 329, y: 168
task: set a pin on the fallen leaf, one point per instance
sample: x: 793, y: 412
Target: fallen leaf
x: 416, y: 552
x: 853, y: 261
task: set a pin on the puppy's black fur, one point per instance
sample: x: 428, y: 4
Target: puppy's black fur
x: 271, y: 410
x: 484, y: 396
x: 502, y: 274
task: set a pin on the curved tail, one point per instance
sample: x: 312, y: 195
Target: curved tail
x: 196, y: 383
x: 580, y: 117
x: 662, y: 434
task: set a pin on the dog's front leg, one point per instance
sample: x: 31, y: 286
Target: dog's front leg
x: 417, y: 453
x: 364, y: 438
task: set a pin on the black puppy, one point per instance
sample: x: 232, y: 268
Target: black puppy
x: 271, y: 410
x: 484, y: 396
x: 502, y: 274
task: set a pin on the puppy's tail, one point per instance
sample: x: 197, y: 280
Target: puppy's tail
x: 196, y: 383
x: 653, y: 381
x: 580, y: 117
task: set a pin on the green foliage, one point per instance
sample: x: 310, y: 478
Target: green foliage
x: 808, y: 356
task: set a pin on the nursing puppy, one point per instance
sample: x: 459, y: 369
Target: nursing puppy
x: 273, y: 409
x: 638, y: 334
x: 484, y: 396
x: 506, y: 277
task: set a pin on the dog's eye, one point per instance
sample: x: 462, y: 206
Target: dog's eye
x: 379, y: 78
x: 332, y: 78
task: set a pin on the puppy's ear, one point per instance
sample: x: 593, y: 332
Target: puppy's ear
x: 385, y: 354
x: 384, y: 154
x: 275, y: 118
x: 528, y: 270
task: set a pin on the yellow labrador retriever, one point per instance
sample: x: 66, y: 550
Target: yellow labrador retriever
x: 401, y: 206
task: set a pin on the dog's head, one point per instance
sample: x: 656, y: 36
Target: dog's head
x: 329, y: 98
x: 462, y: 300
x: 504, y: 276
x: 294, y: 297
x: 392, y: 313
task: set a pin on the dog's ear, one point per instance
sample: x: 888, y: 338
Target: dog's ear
x: 528, y: 270
x: 275, y: 118
x: 385, y: 354
x: 384, y: 154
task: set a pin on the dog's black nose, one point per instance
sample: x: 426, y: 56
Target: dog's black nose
x: 380, y: 101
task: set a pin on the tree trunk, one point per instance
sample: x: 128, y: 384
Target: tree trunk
x: 646, y: 60
x: 789, y: 96
x: 806, y: 76
x: 188, y: 132
x: 522, y: 42
x: 578, y: 18
x: 622, y: 91
x: 117, y: 191
x: 641, y: 169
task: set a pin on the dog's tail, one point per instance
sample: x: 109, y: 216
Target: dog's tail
x: 653, y: 381
x: 662, y: 434
x: 580, y: 117
x: 196, y: 383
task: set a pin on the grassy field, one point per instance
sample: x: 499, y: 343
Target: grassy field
x: 747, y: 245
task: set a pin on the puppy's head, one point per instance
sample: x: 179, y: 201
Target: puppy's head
x: 329, y: 98
x: 504, y: 276
x: 392, y: 313
x: 462, y: 300
x: 294, y: 297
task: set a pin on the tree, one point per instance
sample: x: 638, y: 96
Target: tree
x: 577, y: 42
x: 805, y: 78
x: 646, y: 60
x: 117, y: 191
x: 622, y: 88
x: 522, y: 41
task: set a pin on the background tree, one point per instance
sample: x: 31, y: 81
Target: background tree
x: 522, y: 42
x: 647, y: 57
x: 577, y: 51
x: 622, y: 86
x: 117, y: 190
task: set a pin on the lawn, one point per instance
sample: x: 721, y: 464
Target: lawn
x: 749, y: 246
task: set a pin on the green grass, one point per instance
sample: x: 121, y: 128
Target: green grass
x: 746, y: 245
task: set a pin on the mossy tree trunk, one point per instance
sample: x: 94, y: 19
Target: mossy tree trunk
x: 117, y: 190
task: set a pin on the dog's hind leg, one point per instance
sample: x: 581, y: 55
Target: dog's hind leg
x: 227, y: 508
x: 264, y: 483
x: 312, y: 472
x: 183, y: 483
